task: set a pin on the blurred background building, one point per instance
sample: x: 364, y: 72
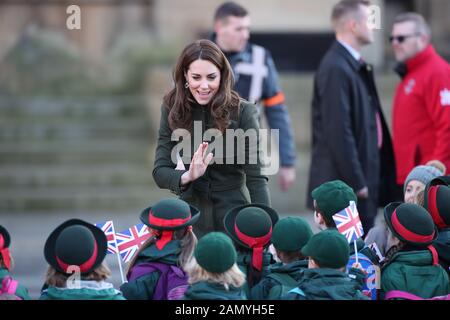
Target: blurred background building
x: 79, y: 109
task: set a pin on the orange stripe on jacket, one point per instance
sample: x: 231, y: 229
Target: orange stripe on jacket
x: 276, y: 99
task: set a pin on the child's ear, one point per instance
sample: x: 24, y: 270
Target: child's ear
x: 320, y: 218
x: 312, y: 264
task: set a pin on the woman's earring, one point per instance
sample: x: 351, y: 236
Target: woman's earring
x: 186, y: 85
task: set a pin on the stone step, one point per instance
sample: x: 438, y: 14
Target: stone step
x: 70, y: 159
x: 72, y: 152
x: 30, y: 129
x: 108, y: 175
x: 85, y: 198
x: 76, y: 107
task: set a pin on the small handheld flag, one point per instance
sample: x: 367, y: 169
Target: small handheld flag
x: 375, y: 248
x: 129, y: 241
x: 108, y: 228
x: 348, y: 222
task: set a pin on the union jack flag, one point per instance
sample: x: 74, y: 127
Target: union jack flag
x: 108, y: 228
x: 348, y: 222
x: 129, y: 241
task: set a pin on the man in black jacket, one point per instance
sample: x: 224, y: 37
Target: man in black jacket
x: 351, y: 141
x: 256, y: 80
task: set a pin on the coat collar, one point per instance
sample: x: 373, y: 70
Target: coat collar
x: 355, y: 54
x: 420, y: 58
x: 343, y: 52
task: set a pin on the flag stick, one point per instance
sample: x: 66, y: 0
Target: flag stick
x: 120, y: 266
x: 356, y: 251
x: 119, y: 260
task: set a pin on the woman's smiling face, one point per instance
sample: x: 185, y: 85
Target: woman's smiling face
x: 203, y: 78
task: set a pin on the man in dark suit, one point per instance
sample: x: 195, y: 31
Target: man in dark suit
x: 351, y: 141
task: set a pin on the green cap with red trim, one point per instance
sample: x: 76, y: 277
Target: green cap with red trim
x: 167, y: 216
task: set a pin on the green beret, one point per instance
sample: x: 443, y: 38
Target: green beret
x: 333, y: 196
x: 328, y: 248
x: 254, y: 220
x: 215, y: 252
x: 291, y: 234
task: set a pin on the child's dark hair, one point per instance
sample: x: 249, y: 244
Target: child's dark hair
x: 290, y: 256
x: 392, y: 251
x: 329, y: 222
x: 253, y: 275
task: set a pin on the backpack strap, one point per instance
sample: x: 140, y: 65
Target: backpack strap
x: 9, y: 286
x: 393, y: 294
x: 434, y: 255
x: 298, y: 291
x: 145, y: 268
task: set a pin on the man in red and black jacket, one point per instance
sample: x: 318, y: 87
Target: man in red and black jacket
x: 421, y: 109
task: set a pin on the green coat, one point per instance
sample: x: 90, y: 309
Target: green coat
x: 253, y: 276
x: 223, y: 186
x: 413, y: 272
x: 142, y: 288
x: 21, y: 291
x: 89, y: 290
x: 442, y: 245
x: 263, y: 288
x: 213, y: 291
x: 325, y: 284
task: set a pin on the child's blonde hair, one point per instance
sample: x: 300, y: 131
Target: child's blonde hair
x: 58, y: 279
x: 420, y: 198
x: 232, y: 277
x: 188, y: 244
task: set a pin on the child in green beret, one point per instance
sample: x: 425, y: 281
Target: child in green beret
x: 412, y: 263
x: 250, y: 228
x: 289, y: 236
x: 75, y: 252
x: 325, y: 278
x: 330, y: 198
x: 157, y: 271
x: 9, y: 288
x: 213, y: 272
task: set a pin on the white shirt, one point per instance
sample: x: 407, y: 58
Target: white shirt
x: 355, y: 54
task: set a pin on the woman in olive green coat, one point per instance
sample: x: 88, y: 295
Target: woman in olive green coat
x: 203, y: 107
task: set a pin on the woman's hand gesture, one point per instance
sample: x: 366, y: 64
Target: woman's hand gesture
x: 199, y: 163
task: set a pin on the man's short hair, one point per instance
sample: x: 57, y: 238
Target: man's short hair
x: 345, y: 7
x: 421, y: 25
x: 228, y: 9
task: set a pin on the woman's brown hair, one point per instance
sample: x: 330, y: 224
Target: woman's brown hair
x: 180, y: 101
